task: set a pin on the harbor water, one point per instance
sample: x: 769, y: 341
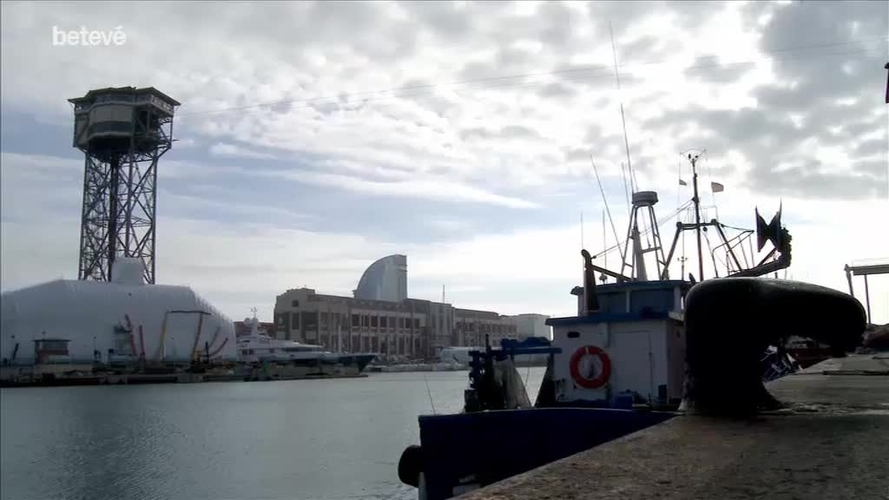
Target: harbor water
x: 295, y: 440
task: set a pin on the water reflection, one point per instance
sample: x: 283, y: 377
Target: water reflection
x: 313, y: 439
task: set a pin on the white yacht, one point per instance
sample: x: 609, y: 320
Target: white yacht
x: 291, y: 359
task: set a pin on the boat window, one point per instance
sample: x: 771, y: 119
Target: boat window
x: 573, y: 335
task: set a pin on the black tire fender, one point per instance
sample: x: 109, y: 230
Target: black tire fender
x: 410, y: 465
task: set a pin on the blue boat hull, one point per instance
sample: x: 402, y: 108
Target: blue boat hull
x: 485, y: 447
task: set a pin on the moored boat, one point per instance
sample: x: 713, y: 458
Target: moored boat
x: 620, y: 365
x: 267, y: 358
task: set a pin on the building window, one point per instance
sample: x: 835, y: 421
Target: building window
x: 356, y: 320
x: 373, y: 321
x: 294, y: 303
x: 416, y: 323
x: 383, y: 321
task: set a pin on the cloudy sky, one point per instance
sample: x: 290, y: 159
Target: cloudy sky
x: 314, y: 138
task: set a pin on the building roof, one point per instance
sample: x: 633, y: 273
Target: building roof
x: 57, y: 295
x: 108, y: 90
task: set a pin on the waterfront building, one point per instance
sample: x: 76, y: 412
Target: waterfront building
x: 381, y: 318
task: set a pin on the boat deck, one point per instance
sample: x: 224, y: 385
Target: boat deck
x: 830, y: 442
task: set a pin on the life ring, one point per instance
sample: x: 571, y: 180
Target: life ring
x: 600, y: 379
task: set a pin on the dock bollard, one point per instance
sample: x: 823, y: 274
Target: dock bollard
x: 729, y: 322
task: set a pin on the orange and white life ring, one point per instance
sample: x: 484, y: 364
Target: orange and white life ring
x: 600, y: 379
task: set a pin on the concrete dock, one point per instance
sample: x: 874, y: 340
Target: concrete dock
x: 832, y: 441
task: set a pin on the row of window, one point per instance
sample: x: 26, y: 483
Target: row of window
x: 363, y: 320
x: 374, y: 321
x: 309, y: 321
x: 504, y: 328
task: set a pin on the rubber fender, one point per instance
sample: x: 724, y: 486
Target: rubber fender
x: 410, y: 465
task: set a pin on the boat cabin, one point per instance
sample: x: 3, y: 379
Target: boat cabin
x: 630, y: 351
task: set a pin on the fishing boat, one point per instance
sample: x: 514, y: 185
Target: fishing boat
x: 629, y: 360
x: 638, y: 353
x: 620, y: 365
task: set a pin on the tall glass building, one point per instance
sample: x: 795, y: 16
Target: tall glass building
x: 385, y: 279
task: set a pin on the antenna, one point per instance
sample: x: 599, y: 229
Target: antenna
x: 694, y: 159
x: 605, y: 201
x: 623, y: 120
x: 627, y: 189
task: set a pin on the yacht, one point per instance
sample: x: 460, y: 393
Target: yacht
x: 290, y: 359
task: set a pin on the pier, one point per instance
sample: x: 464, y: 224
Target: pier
x: 829, y: 441
x: 54, y: 375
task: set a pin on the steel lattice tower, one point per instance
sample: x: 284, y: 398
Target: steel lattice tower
x: 633, y: 256
x: 123, y: 132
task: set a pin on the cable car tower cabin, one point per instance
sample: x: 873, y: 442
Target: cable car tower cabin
x: 123, y: 132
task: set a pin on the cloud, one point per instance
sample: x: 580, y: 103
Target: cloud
x: 441, y: 190
x: 518, y: 271
x: 322, y: 135
x: 234, y: 151
x: 185, y: 143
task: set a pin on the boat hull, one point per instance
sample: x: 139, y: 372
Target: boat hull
x: 345, y: 365
x: 461, y: 452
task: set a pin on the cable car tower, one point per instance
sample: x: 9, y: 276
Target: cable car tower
x: 122, y: 132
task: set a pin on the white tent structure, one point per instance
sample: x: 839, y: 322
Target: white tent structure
x: 112, y: 322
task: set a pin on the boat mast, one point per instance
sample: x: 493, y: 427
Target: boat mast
x: 604, y: 278
x: 697, y: 202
